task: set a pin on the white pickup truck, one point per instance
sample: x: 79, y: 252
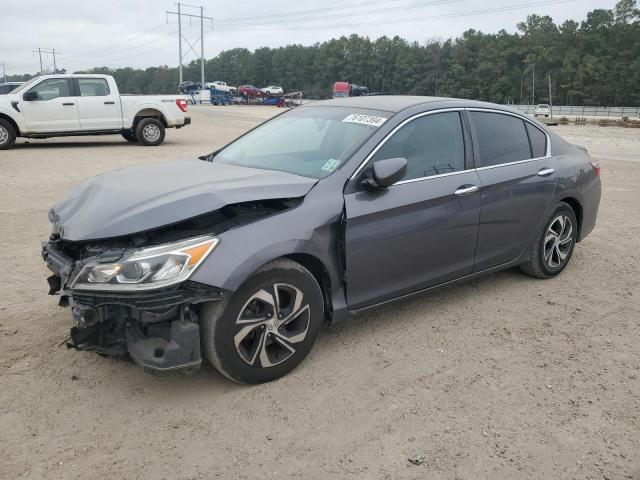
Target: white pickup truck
x: 222, y: 86
x: 85, y: 104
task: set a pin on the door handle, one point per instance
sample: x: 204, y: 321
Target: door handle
x: 545, y: 172
x: 68, y: 104
x: 466, y: 190
x: 109, y: 103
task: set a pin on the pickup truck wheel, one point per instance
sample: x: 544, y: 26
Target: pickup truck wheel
x: 7, y: 135
x: 267, y: 327
x: 129, y: 137
x: 150, y: 132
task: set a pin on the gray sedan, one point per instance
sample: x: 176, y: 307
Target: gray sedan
x: 323, y: 212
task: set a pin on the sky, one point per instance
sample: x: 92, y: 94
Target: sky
x: 138, y: 33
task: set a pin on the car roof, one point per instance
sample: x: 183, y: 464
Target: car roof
x: 397, y: 103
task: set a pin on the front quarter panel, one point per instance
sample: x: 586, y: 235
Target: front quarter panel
x: 311, y: 228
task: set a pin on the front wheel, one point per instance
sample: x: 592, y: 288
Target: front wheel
x: 7, y: 135
x: 554, y: 244
x: 269, y: 325
x: 129, y: 137
x: 150, y: 132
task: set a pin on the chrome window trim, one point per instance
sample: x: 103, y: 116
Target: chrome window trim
x: 521, y: 117
x: 454, y: 109
x: 392, y: 132
x: 439, y: 175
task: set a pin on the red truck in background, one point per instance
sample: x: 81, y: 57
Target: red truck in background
x: 346, y: 89
x: 340, y: 89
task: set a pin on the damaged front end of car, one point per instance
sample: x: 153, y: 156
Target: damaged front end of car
x: 132, y: 296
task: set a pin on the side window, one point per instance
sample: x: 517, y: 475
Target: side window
x: 538, y: 141
x: 432, y: 145
x: 93, y: 87
x: 52, y: 88
x: 501, y: 138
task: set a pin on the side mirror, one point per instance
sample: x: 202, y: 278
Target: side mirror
x: 30, y: 96
x: 386, y: 173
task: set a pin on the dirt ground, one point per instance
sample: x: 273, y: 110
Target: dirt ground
x: 503, y: 377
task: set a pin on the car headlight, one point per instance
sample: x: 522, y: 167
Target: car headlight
x: 148, y: 268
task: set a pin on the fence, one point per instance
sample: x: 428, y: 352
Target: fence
x: 560, y: 110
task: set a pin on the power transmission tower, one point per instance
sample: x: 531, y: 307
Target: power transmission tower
x: 202, y: 18
x: 52, y: 52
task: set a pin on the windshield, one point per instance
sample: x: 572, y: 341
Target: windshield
x: 27, y: 84
x: 307, y: 141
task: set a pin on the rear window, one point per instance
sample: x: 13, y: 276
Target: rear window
x: 538, y: 141
x: 501, y: 138
x: 93, y: 87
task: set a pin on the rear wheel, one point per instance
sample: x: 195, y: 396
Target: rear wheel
x: 7, y: 135
x: 269, y: 325
x: 150, y: 132
x: 554, y: 244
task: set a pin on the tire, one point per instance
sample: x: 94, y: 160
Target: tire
x: 252, y: 351
x: 553, y: 244
x: 130, y: 137
x: 150, y: 132
x: 7, y: 135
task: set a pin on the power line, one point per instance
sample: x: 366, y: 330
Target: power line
x: 409, y: 20
x: 128, y: 39
x: 367, y: 12
x: 340, y: 7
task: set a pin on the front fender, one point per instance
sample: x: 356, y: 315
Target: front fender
x: 311, y: 228
x: 8, y: 111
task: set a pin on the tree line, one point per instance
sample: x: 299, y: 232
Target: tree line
x: 593, y: 62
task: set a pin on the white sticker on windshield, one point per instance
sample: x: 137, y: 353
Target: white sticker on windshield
x: 330, y: 165
x: 365, y: 119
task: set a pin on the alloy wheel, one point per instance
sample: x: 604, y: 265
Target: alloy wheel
x: 4, y: 135
x: 271, y: 324
x: 557, y: 241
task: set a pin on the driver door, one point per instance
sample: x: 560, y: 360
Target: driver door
x: 421, y: 231
x: 54, y: 108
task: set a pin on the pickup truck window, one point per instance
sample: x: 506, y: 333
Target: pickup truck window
x: 93, y: 87
x: 52, y: 88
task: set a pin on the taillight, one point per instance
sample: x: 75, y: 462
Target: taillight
x: 595, y: 166
x: 182, y: 104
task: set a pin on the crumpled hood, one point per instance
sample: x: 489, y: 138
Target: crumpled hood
x: 136, y: 199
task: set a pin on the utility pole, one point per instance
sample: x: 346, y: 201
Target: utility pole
x: 180, y: 40
x: 4, y: 72
x: 533, y: 92
x: 180, y: 36
x: 521, y: 77
x: 52, y: 52
x: 40, y: 53
x: 202, y: 45
x: 550, y: 100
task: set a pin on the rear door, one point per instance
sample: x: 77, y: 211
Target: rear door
x: 518, y: 177
x: 98, y: 106
x: 54, y: 109
x: 422, y: 230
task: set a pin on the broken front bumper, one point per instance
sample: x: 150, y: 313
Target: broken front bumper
x: 157, y: 329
